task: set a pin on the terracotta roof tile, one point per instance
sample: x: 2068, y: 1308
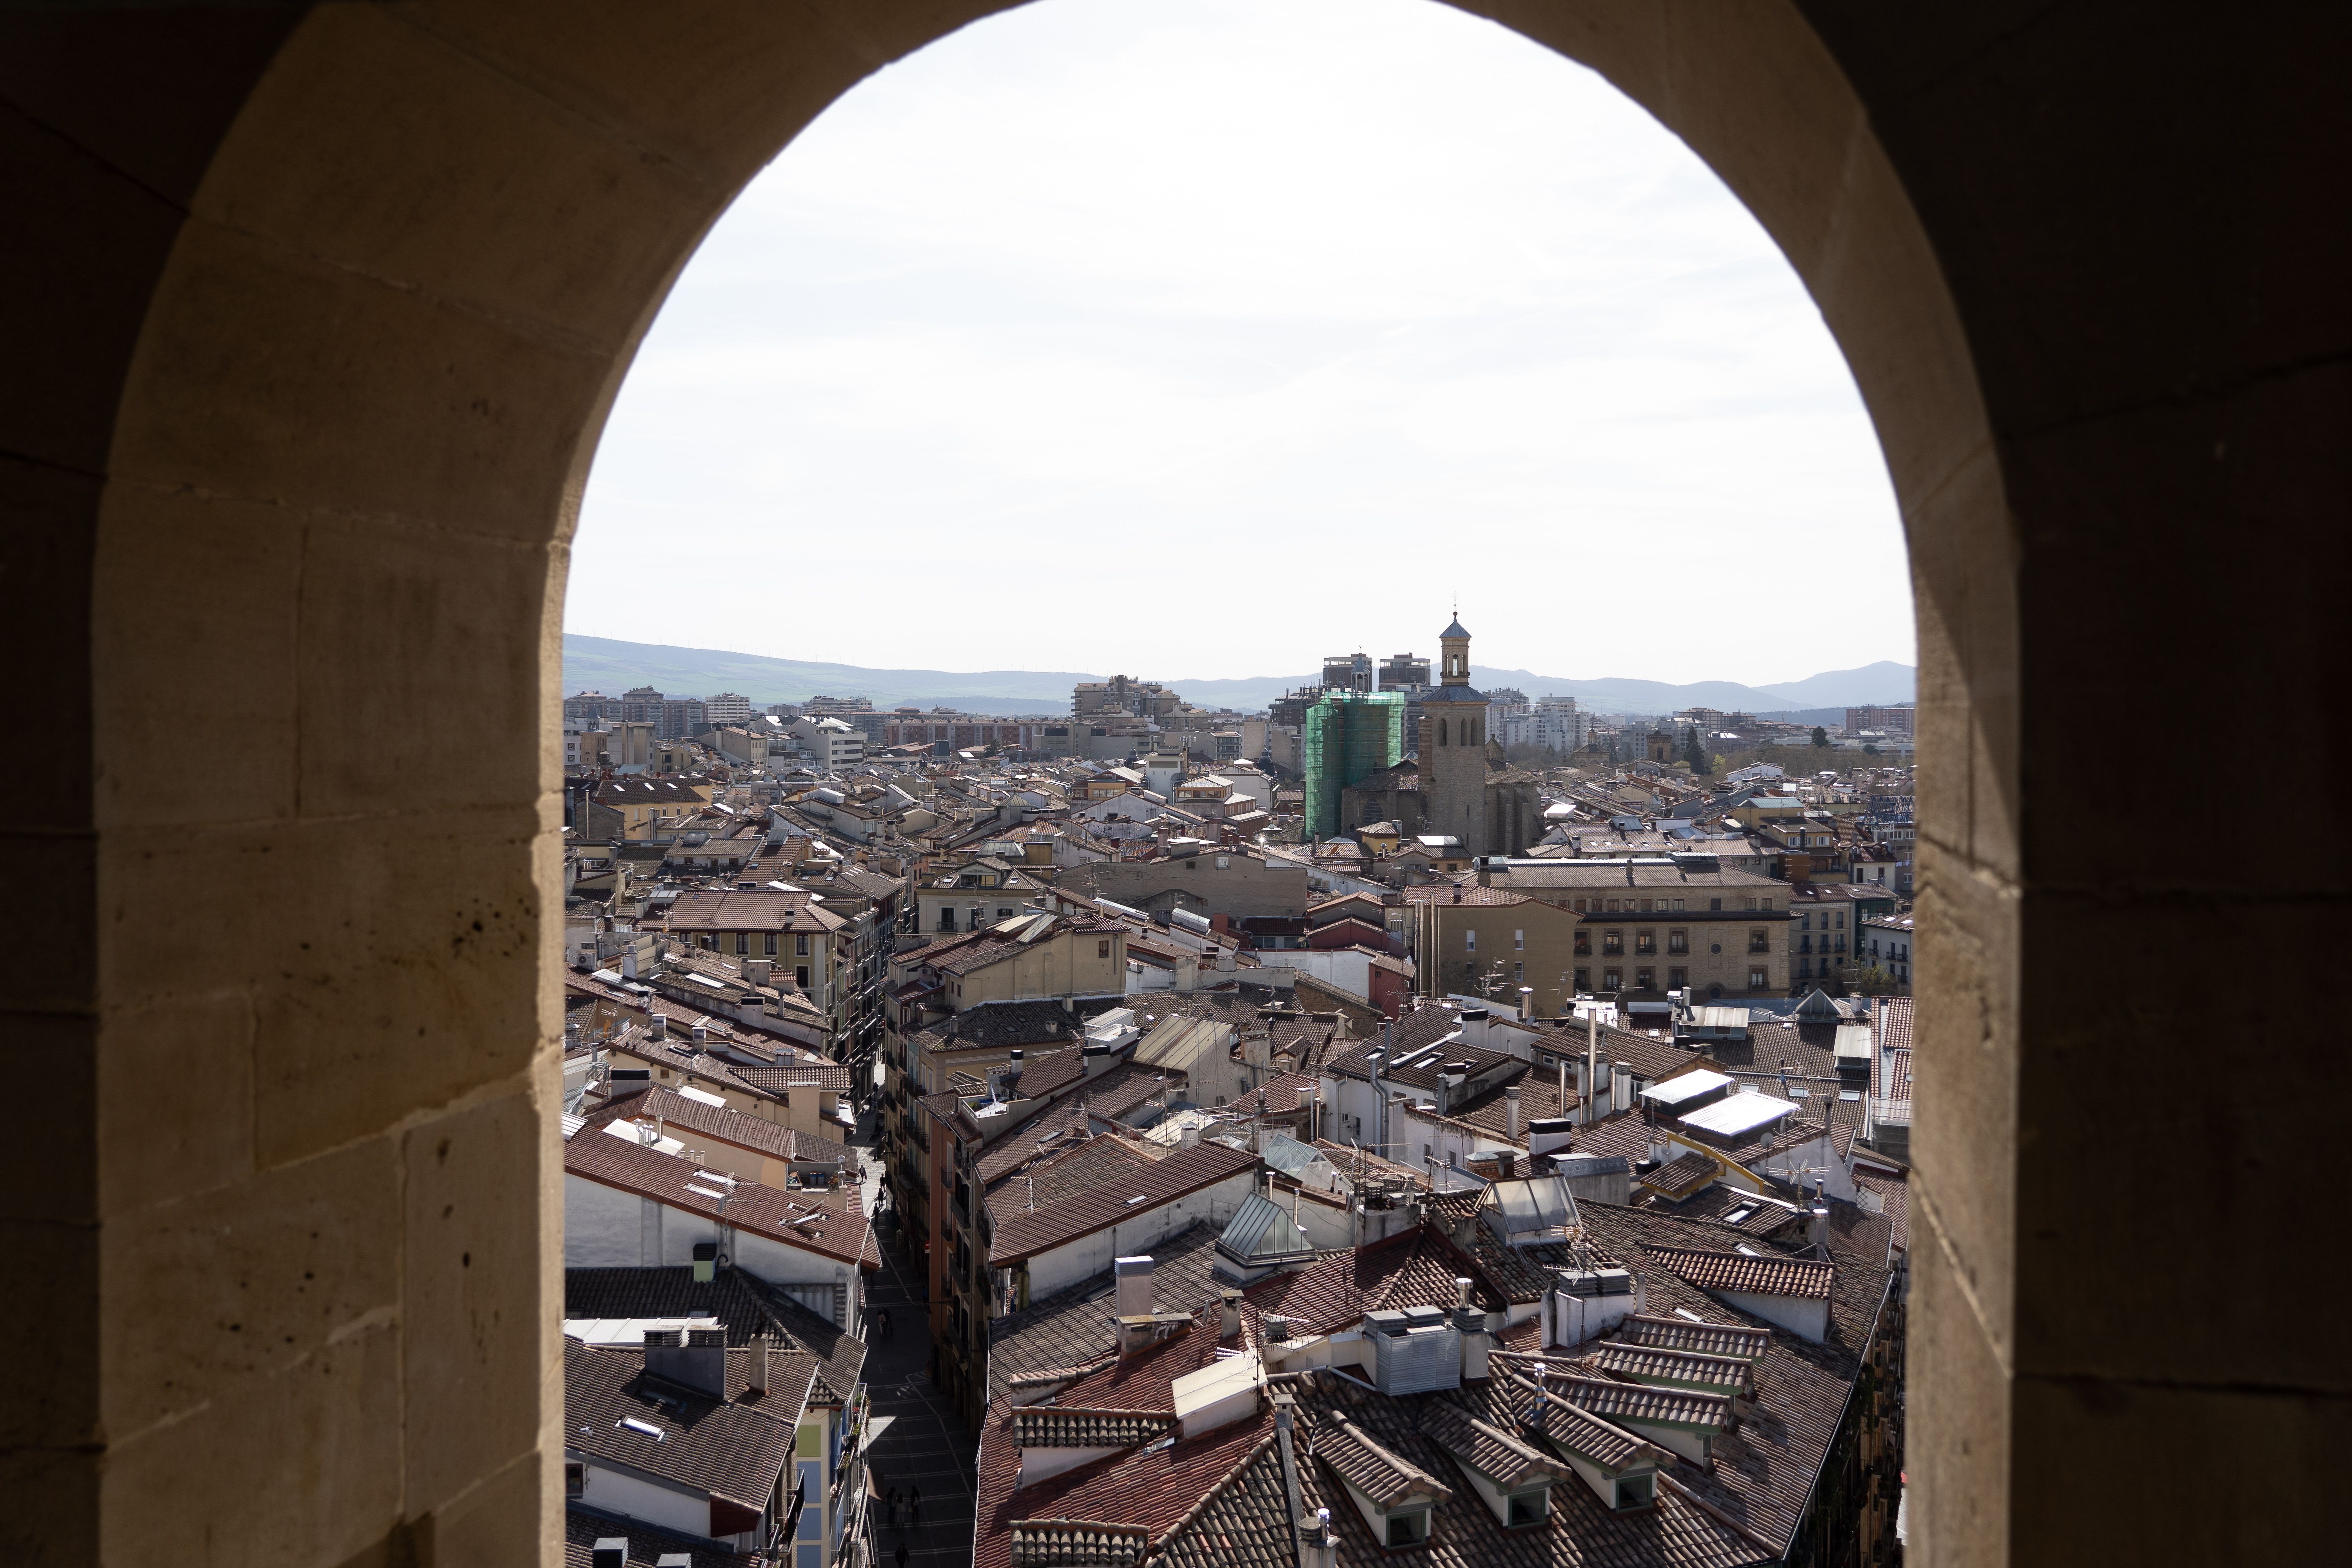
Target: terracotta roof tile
x: 1731, y: 1340
x: 1062, y: 1425
x: 1767, y: 1274
x: 1371, y: 1466
x: 1682, y: 1174
x: 731, y: 1449
x: 1500, y: 1456
x: 837, y: 1233
x: 1186, y: 1172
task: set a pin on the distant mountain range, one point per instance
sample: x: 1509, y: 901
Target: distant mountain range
x: 605, y: 664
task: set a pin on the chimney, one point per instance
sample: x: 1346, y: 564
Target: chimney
x: 1817, y: 1231
x: 1471, y: 1321
x: 1229, y: 1321
x: 1134, y: 1299
x: 1135, y: 1287
x: 759, y: 1378
x: 1621, y: 1085
x: 694, y: 1358
x: 1318, y: 1546
x: 755, y: 970
x: 629, y: 960
x: 657, y: 1022
x: 701, y: 1034
x: 1511, y: 1110
x: 610, y: 1552
x: 1190, y: 1137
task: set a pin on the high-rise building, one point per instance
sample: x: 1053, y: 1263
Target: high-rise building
x: 1345, y: 737
x: 1401, y: 671
x: 1894, y: 721
x: 727, y: 708
x: 1347, y: 672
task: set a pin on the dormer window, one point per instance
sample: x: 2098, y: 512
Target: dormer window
x: 1529, y: 1508
x: 1407, y: 1529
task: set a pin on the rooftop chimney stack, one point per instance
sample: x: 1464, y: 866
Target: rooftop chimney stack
x: 1511, y: 1106
x: 610, y: 1552
x: 657, y: 1022
x: 1134, y: 1299
x: 693, y: 1358
x: 1230, y: 1321
x: 759, y: 1376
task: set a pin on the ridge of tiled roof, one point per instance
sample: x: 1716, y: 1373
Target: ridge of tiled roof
x: 1623, y: 1359
x: 1587, y: 1433
x: 1612, y: 1400
x: 1242, y: 1522
x: 1492, y: 1451
x: 1728, y: 1341
x: 1067, y: 1426
x: 1766, y: 1274
x: 1371, y: 1466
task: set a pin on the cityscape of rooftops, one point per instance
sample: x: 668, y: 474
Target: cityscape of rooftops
x: 1257, y: 1018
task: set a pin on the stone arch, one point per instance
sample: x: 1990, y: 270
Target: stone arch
x: 319, y: 313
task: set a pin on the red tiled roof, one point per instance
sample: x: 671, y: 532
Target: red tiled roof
x: 630, y: 1167
x: 1765, y: 1275
x: 1152, y: 1491
x: 1180, y: 1175
x: 1684, y: 1173
x: 712, y: 1121
x: 1416, y: 1268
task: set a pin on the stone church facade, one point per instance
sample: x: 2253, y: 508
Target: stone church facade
x: 1459, y: 784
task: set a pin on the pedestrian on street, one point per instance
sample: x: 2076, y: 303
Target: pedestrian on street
x: 902, y: 1555
x: 915, y: 1504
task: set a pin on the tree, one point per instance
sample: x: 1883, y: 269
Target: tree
x: 1821, y: 736
x: 1875, y: 981
x: 1870, y: 750
x: 1693, y: 754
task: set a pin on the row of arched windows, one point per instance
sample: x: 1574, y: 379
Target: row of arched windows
x: 1473, y: 732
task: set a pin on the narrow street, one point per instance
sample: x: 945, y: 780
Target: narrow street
x: 921, y: 1445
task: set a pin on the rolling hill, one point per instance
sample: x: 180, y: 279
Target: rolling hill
x: 607, y: 664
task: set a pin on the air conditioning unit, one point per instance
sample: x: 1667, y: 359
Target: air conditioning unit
x: 1416, y: 1350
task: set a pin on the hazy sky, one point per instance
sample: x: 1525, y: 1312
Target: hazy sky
x: 1206, y: 338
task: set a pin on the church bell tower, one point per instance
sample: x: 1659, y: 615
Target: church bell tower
x: 1454, y: 749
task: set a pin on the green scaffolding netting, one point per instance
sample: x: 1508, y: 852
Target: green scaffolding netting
x: 1346, y: 738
